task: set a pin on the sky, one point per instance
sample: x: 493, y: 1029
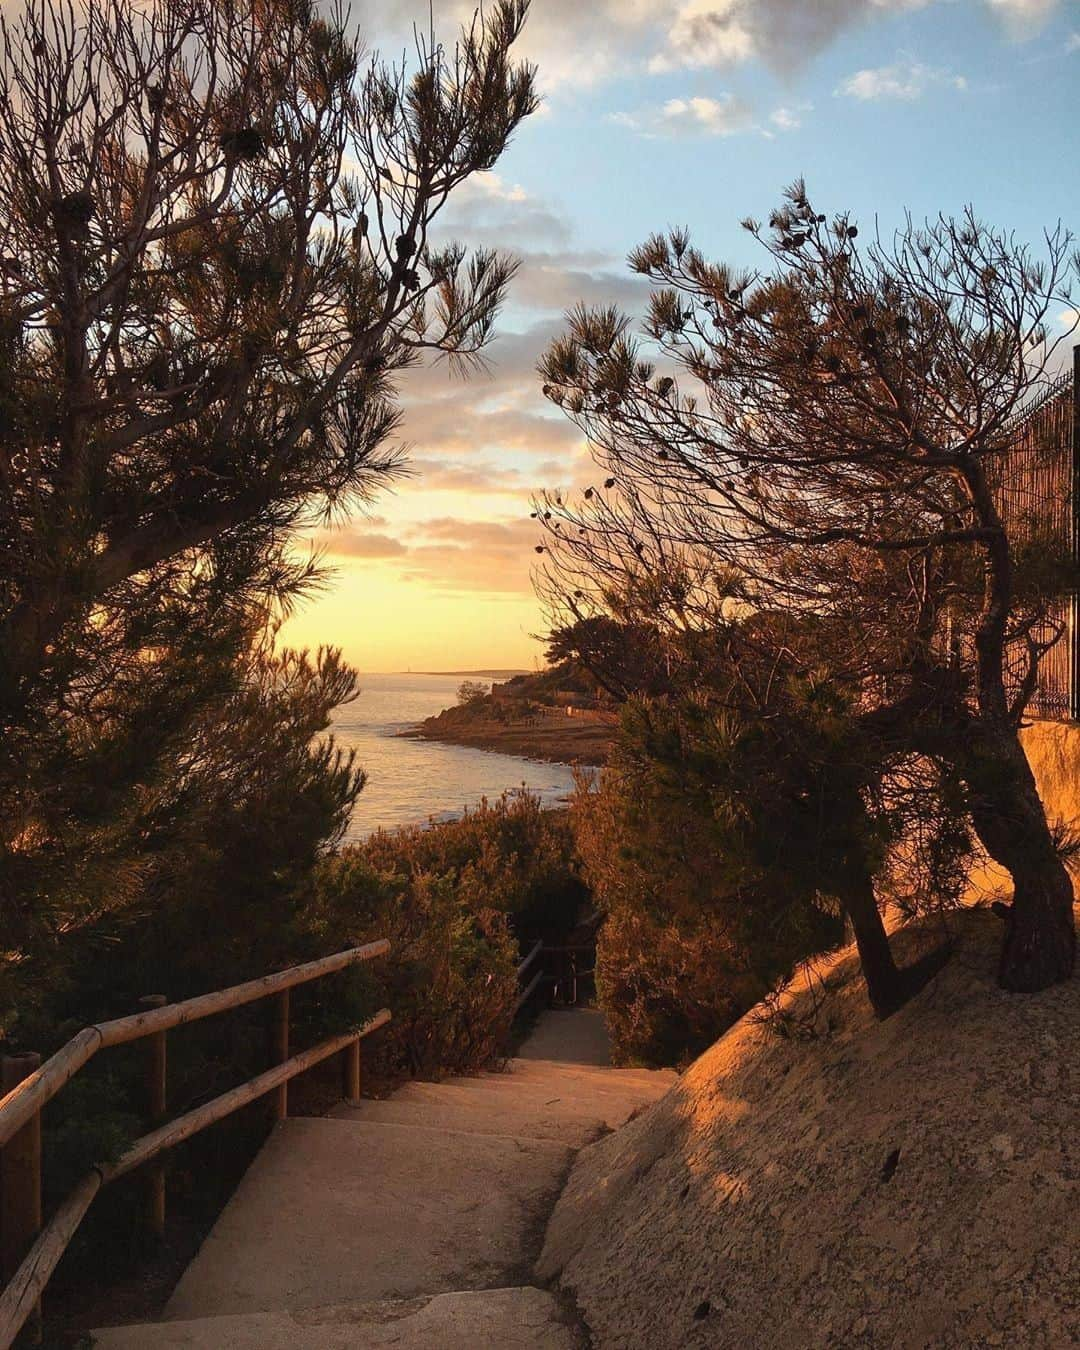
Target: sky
x: 660, y: 113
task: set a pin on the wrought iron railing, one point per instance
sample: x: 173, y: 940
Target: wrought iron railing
x: 1037, y: 489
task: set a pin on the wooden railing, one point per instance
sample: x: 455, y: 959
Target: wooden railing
x: 556, y: 966
x: 38, y: 1249
x: 535, y: 977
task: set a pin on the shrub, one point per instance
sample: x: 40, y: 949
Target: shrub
x: 450, y: 978
x: 471, y: 691
x: 455, y: 899
x: 691, y: 939
x: 512, y: 854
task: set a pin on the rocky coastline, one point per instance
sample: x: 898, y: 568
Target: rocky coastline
x: 551, y: 734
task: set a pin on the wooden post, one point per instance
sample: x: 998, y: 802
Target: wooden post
x: 350, y: 1071
x: 20, y: 1184
x: 279, y: 1051
x: 157, y: 1109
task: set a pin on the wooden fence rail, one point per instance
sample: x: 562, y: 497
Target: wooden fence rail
x: 31, y: 1252
x: 565, y: 976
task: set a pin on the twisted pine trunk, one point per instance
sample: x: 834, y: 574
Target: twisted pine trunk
x: 884, y: 982
x: 1040, y: 942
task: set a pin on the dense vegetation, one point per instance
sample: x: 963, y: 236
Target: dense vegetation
x: 456, y: 900
x: 216, y: 256
x: 699, y: 927
x: 257, y: 891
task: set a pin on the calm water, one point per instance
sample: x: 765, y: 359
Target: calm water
x: 410, y: 782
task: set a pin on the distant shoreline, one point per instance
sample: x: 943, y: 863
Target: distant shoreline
x: 492, y: 674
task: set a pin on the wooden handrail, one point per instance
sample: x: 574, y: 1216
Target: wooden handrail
x: 40, y: 1087
x: 25, y: 1288
x: 538, y: 947
x: 526, y: 994
x: 20, y: 1111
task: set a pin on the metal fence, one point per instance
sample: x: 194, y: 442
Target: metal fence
x: 1037, y: 490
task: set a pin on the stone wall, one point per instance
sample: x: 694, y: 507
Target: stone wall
x: 1053, y: 750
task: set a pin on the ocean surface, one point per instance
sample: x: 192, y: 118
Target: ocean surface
x: 414, y: 782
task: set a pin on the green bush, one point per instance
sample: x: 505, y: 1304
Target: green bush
x: 512, y: 853
x: 449, y: 979
x: 454, y: 899
x: 693, y: 935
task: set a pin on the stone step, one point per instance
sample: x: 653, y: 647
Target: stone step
x: 650, y: 1080
x: 570, y: 1035
x: 520, y: 1075
x: 572, y: 1129
x: 551, y: 1095
x: 490, y: 1319
x: 346, y: 1211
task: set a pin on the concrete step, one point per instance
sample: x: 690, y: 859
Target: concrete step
x: 346, y: 1211
x: 570, y: 1035
x: 550, y: 1104
x: 491, y: 1109
x: 527, y: 1072
x: 571, y: 1097
x: 490, y: 1319
x: 551, y: 1095
x: 522, y: 1122
x: 649, y: 1080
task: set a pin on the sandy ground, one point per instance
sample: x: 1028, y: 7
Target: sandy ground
x: 911, y: 1183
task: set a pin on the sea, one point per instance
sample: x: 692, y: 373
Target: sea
x: 414, y: 782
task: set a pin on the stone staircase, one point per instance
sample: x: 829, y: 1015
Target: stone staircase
x: 412, y: 1222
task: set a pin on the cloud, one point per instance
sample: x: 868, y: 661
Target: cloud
x: 556, y: 281
x: 789, y: 119
x: 904, y: 79
x: 1073, y: 43
x: 782, y: 34
x: 581, y: 46
x: 727, y: 115
x: 459, y: 425
x: 1024, y: 16
x: 491, y: 556
x: 356, y: 543
x: 479, y: 476
x: 575, y: 46
x: 723, y: 116
x: 487, y: 211
x: 707, y: 33
x: 452, y: 553
x: 492, y: 437
x: 553, y: 275
x: 785, y: 34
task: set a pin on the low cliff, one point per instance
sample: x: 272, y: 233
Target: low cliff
x: 546, y: 733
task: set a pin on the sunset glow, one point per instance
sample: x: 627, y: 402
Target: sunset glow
x: 680, y: 113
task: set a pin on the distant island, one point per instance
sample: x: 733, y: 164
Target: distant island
x: 554, y: 715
